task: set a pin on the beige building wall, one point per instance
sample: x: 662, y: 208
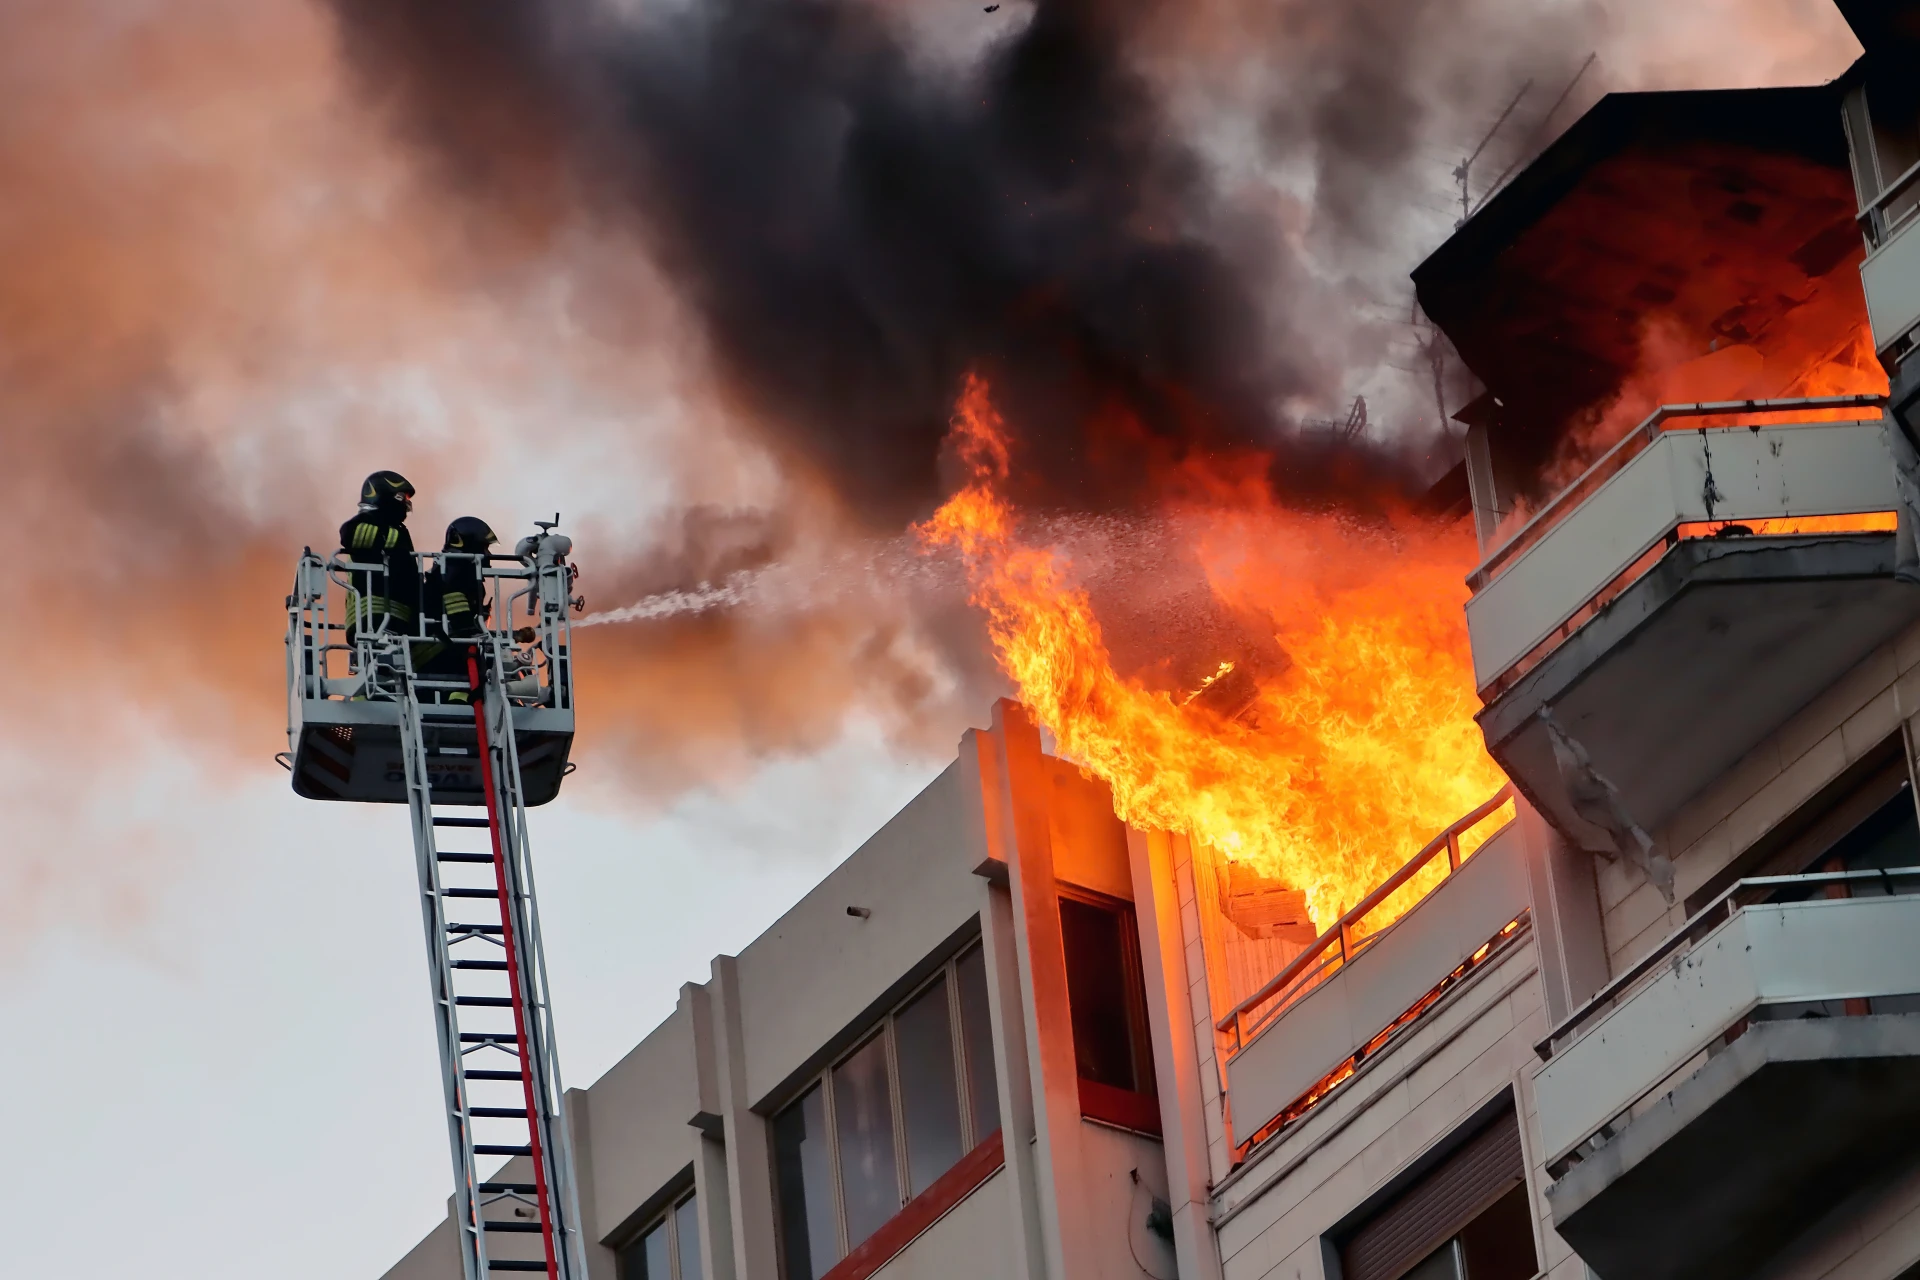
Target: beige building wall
x: 1852, y: 717
x: 1473, y: 1047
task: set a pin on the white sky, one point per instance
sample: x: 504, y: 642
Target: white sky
x: 237, y: 1077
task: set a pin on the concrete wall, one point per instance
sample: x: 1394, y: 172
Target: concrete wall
x: 1117, y: 1204
x: 819, y: 971
x: 437, y: 1257
x: 1836, y: 729
x: 1470, y: 1047
x: 640, y: 1140
x: 975, y: 1238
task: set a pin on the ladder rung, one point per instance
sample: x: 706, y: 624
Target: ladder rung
x: 475, y: 858
x: 502, y: 1149
x: 506, y: 1188
x: 475, y: 928
x: 471, y: 893
x: 501, y: 1264
x: 529, y: 1228
x: 485, y: 1002
x: 489, y: 1037
x: 492, y: 966
x: 488, y: 1073
x: 498, y: 1113
x: 480, y: 823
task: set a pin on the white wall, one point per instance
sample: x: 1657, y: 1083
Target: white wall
x: 638, y: 1124
x: 1469, y: 1047
x: 1117, y: 1205
x: 817, y: 971
x: 437, y: 1257
x: 1852, y: 717
x: 974, y: 1239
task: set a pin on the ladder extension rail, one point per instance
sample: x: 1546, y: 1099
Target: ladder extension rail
x: 548, y: 1066
x: 553, y: 1149
x: 468, y: 1210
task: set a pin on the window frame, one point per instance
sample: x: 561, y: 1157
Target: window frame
x: 883, y: 1029
x: 665, y: 1218
x: 1138, y: 1109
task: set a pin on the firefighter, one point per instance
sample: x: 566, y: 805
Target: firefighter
x: 457, y: 602
x: 377, y: 535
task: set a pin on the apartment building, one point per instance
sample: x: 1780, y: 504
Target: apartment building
x: 1659, y: 1013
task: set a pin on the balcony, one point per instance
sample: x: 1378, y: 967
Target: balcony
x: 1696, y: 587
x: 1891, y: 273
x: 1758, y: 1067
x: 1342, y: 999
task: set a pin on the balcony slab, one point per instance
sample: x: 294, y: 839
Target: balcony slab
x: 1716, y: 1176
x: 1713, y: 648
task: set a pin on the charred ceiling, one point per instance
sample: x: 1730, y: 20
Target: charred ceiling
x: 1724, y: 218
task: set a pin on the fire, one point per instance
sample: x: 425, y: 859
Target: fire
x: 1347, y: 754
x: 1672, y: 373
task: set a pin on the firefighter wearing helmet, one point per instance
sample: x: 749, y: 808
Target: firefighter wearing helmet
x: 386, y: 598
x: 457, y: 602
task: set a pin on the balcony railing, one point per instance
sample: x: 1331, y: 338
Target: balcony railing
x: 1890, y: 210
x: 1340, y: 944
x: 1610, y: 525
x: 1735, y: 956
x: 1891, y: 273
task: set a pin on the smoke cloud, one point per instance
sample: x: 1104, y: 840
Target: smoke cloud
x: 855, y: 220
x: 704, y: 276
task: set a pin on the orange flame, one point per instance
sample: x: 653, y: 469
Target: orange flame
x: 1351, y: 754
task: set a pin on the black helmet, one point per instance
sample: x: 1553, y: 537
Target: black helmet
x: 471, y: 534
x: 386, y: 489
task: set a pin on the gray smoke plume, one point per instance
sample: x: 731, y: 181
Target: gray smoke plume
x: 856, y: 214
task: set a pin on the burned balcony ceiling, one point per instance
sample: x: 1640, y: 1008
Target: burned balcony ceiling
x: 1882, y: 25
x: 1723, y: 217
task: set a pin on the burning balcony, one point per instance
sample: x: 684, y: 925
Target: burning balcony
x: 1694, y: 588
x: 1766, y: 1057
x: 1351, y: 991
x: 1662, y: 586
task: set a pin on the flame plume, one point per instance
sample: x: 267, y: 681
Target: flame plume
x: 1349, y: 754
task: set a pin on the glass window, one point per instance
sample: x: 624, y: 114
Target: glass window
x: 810, y: 1242
x: 929, y: 1086
x: 863, y: 1111
x: 1098, y: 991
x: 646, y: 1258
x: 667, y: 1250
x: 976, y: 1035
x: 1442, y: 1264
x: 686, y: 1235
x: 885, y: 1123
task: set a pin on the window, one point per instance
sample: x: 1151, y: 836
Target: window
x: 1107, y: 999
x: 1467, y: 1218
x: 883, y: 1124
x: 669, y: 1249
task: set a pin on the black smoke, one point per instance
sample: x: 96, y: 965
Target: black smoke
x: 855, y: 224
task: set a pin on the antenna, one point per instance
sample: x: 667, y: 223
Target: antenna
x: 1539, y: 130
x: 1466, y: 166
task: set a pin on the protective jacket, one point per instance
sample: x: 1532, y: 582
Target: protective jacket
x: 379, y: 536
x: 454, y: 592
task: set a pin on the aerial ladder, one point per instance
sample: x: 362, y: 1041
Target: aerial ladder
x: 369, y: 721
